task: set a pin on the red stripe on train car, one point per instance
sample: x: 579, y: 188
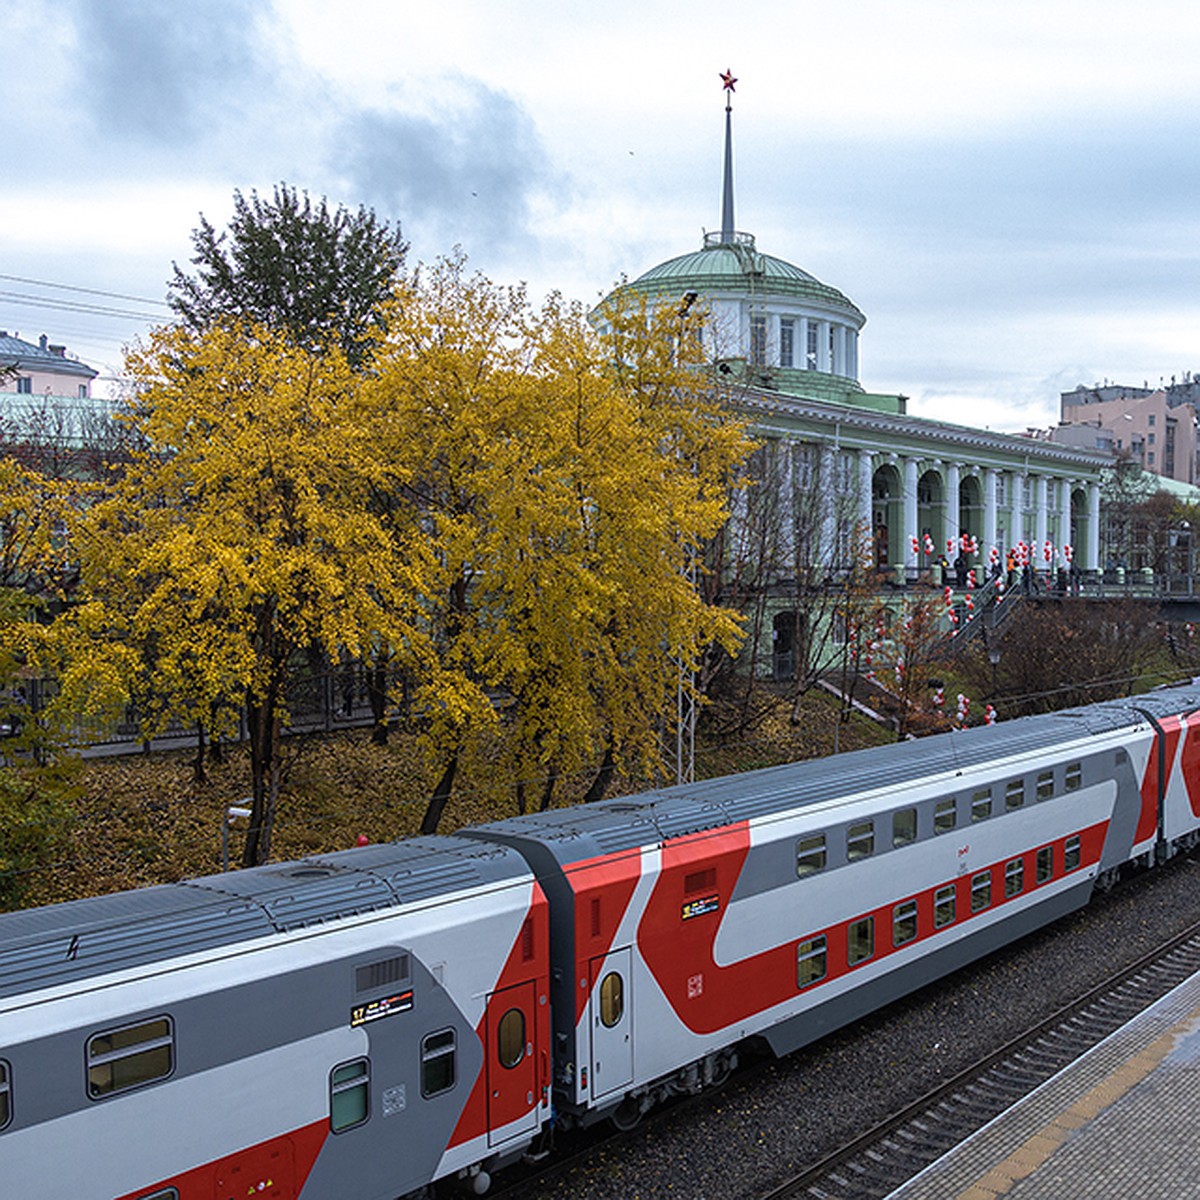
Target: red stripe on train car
x: 603, y: 888
x: 1190, y: 764
x: 273, y: 1170
x: 524, y: 964
x: 1147, y: 825
x: 678, y: 947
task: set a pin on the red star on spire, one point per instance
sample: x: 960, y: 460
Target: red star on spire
x: 727, y: 81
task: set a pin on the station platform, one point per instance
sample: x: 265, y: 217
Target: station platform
x: 1119, y: 1122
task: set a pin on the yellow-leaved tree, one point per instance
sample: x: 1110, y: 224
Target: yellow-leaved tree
x: 242, y: 536
x: 565, y: 481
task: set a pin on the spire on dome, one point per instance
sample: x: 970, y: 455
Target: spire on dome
x: 727, y: 226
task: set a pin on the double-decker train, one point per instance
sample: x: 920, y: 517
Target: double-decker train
x: 359, y: 1025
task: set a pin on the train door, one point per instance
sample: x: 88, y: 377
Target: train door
x: 610, y: 1011
x: 511, y: 1061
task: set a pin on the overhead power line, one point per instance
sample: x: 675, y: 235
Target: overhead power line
x: 95, y: 310
x: 70, y: 287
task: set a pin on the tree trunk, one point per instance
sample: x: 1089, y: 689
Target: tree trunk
x: 548, y: 790
x: 198, y: 773
x: 440, y: 797
x: 604, y: 776
x: 377, y: 695
x: 262, y: 720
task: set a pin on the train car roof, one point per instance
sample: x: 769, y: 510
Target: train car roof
x: 61, y: 943
x: 627, y: 823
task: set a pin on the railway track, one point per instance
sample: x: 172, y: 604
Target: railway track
x: 888, y: 1155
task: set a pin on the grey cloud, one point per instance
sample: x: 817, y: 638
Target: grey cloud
x: 162, y: 69
x: 470, y: 174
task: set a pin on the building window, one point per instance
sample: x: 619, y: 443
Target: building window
x: 82, y: 392
x: 1150, y: 422
x: 904, y: 922
x: 1150, y: 439
x: 349, y: 1087
x: 25, y: 386
x: 860, y: 940
x: 810, y: 348
x: 758, y: 341
x: 904, y: 827
x: 810, y: 855
x: 1150, y: 457
x: 981, y: 891
x: 129, y: 1057
x: 787, y: 342
x: 1027, y: 493
x: 860, y: 840
x: 437, y: 1063
x: 1001, y: 489
x: 811, y: 961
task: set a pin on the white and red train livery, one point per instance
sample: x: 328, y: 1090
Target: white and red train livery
x: 359, y: 1025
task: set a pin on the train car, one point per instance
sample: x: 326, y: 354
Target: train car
x: 359, y: 1025
x: 349, y: 1027
x: 781, y: 904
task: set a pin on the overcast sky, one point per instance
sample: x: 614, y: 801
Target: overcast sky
x: 1008, y: 190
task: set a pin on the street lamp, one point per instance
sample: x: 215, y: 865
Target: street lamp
x: 994, y: 658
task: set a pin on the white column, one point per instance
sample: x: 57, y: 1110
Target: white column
x: 1064, y: 519
x: 989, y: 513
x: 866, y: 501
x: 1093, y: 540
x: 823, y: 346
x: 1042, y: 525
x: 852, y: 353
x: 802, y: 343
x: 839, y: 350
x: 1018, y: 509
x: 910, y: 514
x: 952, y: 529
x: 829, y: 505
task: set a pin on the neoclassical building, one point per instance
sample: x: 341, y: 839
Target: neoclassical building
x: 791, y: 345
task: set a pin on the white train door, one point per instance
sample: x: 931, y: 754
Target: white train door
x: 610, y: 1012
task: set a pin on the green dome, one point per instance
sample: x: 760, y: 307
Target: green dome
x: 723, y: 266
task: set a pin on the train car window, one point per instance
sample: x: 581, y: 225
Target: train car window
x: 904, y: 827
x: 510, y: 1038
x: 904, y: 922
x: 612, y: 1000
x: 437, y: 1063
x: 943, y: 906
x: 1014, y: 877
x: 1014, y: 794
x: 349, y: 1091
x: 945, y: 815
x: 1074, y: 776
x: 860, y: 840
x: 981, y: 891
x: 5, y: 1095
x: 1044, y: 864
x: 811, y: 961
x: 981, y: 805
x: 860, y: 940
x: 1071, y: 854
x: 810, y: 855
x: 1045, y: 785
x: 129, y: 1057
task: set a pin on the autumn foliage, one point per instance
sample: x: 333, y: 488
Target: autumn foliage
x: 503, y: 506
